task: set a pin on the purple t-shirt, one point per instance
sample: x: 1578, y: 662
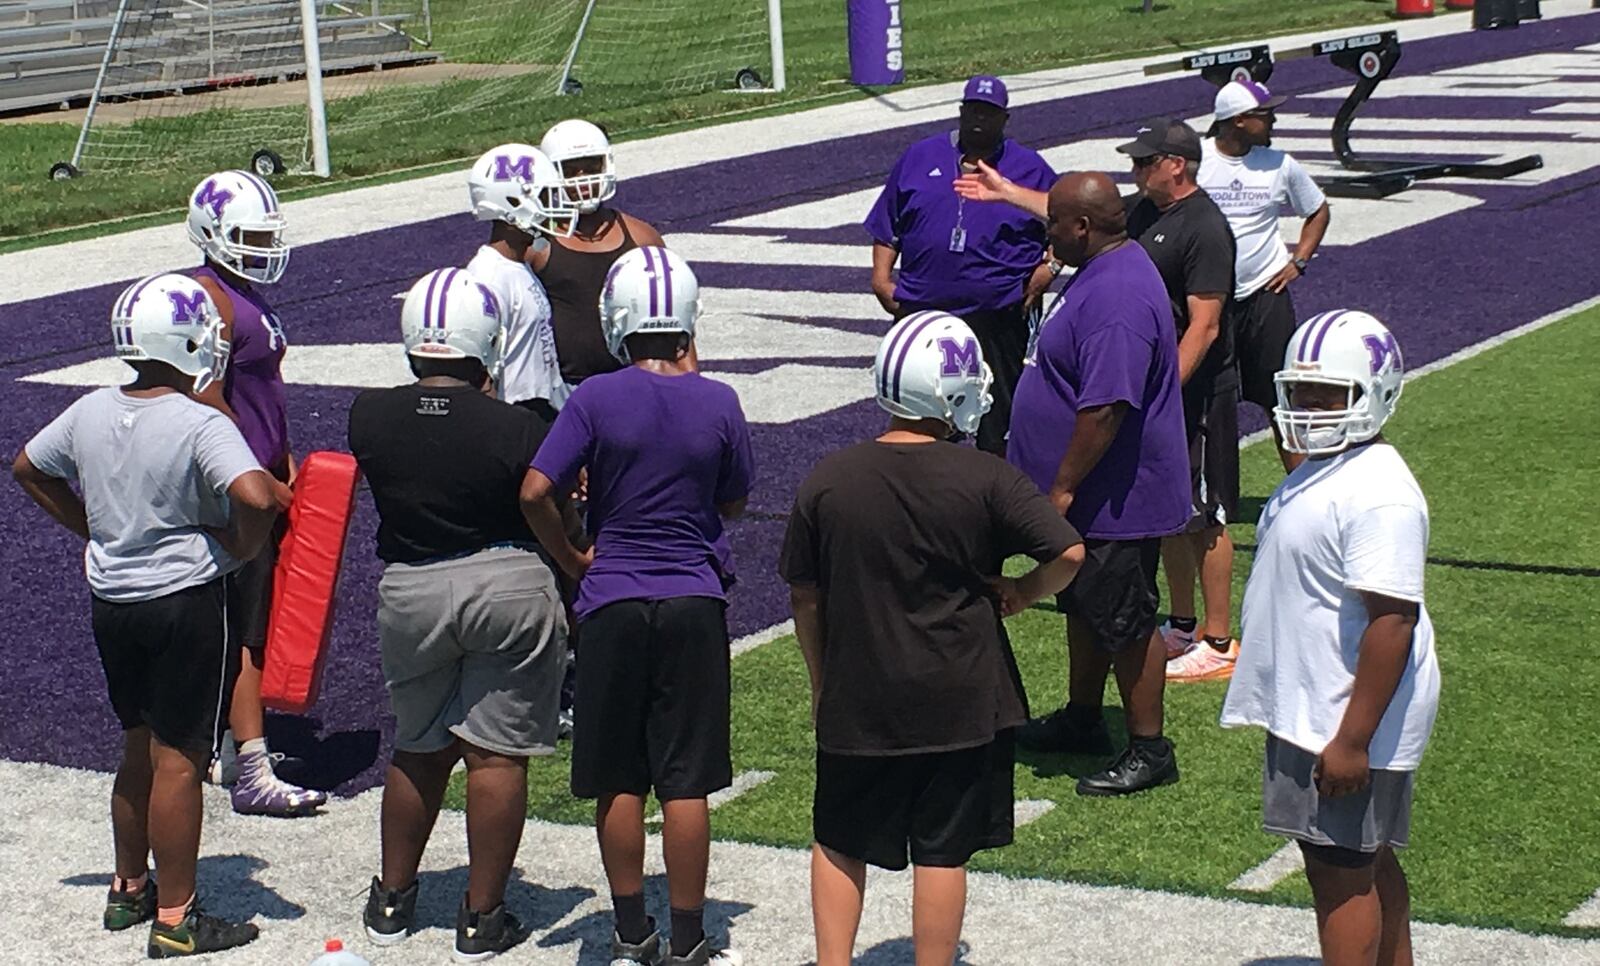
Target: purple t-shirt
x: 1110, y: 338
x: 918, y: 211
x: 663, y: 452
x: 253, y: 386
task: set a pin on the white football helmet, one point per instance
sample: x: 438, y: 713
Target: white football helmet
x: 930, y: 366
x: 170, y: 318
x: 573, y: 139
x: 517, y: 184
x: 649, y: 289
x: 226, y: 206
x: 448, y: 314
x: 1350, y: 350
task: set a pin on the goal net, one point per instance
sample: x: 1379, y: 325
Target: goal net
x: 209, y: 84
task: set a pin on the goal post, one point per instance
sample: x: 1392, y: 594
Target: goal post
x: 321, y: 87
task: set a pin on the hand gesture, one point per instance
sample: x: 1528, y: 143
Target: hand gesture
x: 1012, y: 600
x: 986, y: 184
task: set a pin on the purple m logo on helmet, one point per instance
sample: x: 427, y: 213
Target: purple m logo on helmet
x: 212, y: 197
x: 960, y: 357
x: 1381, y: 349
x: 507, y: 167
x: 188, y: 308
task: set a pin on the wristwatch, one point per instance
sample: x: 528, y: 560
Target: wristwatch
x: 1301, y: 264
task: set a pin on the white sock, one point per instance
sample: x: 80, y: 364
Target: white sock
x: 253, y: 747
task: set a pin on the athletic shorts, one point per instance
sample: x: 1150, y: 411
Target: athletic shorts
x: 170, y: 663
x: 473, y: 648
x: 1365, y: 821
x: 1211, y: 420
x: 1263, y: 323
x: 652, y: 702
x: 940, y: 807
x: 252, y: 592
x: 1115, y: 592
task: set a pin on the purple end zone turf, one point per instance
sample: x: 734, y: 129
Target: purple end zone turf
x: 1441, y: 286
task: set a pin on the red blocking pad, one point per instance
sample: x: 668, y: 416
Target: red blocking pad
x: 306, y: 580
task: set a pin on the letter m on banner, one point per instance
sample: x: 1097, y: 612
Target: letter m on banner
x: 507, y: 167
x: 960, y: 356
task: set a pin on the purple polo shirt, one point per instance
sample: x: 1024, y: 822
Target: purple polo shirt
x: 662, y: 453
x: 1110, y: 338
x: 919, y: 209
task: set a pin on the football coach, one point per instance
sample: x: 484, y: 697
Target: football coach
x: 980, y: 261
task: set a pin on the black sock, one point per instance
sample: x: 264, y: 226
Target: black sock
x: 688, y: 928
x: 1083, y: 716
x: 1219, y: 644
x: 1185, y: 624
x: 1156, y: 744
x: 633, y: 927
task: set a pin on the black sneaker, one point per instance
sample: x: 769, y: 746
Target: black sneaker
x: 1057, y: 732
x: 389, y: 913
x: 646, y: 953
x: 125, y: 910
x: 197, y: 933
x: 485, y: 935
x: 1138, y: 767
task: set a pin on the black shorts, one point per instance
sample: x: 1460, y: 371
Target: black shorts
x: 1115, y: 591
x: 945, y: 806
x: 1262, y: 325
x: 652, y: 703
x: 170, y: 663
x: 1211, y: 418
x: 251, y: 589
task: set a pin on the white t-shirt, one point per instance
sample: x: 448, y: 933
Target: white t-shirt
x: 532, y: 370
x: 1251, y: 191
x: 1335, y: 527
x: 153, y: 473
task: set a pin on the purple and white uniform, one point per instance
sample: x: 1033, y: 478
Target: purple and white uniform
x: 253, y: 386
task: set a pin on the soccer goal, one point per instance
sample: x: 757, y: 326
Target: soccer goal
x: 313, y: 86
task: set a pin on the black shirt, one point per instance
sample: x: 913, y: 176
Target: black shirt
x: 445, y: 466
x: 573, y: 280
x: 898, y: 538
x: 1193, y: 249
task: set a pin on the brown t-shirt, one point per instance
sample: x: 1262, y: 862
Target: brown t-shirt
x: 899, y: 539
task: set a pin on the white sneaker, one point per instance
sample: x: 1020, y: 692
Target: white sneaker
x: 1178, y: 642
x: 1204, y: 663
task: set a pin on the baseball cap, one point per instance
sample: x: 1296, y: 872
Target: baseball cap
x: 1242, y: 97
x: 988, y: 89
x: 1163, y: 136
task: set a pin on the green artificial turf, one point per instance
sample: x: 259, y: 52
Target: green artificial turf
x: 944, y: 40
x: 1507, y: 449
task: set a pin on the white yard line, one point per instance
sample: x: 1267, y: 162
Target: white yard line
x: 1587, y: 915
x: 304, y: 881
x: 41, y: 272
x: 1030, y: 810
x: 1278, y: 866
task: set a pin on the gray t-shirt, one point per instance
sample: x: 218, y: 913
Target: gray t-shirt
x: 153, y: 473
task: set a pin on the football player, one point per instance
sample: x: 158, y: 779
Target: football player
x: 236, y: 222
x: 519, y: 192
x: 1341, y: 669
x: 173, y: 502
x: 470, y: 624
x: 573, y: 268
x: 893, y: 558
x: 668, y: 457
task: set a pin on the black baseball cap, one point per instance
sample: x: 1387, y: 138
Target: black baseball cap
x: 1163, y: 135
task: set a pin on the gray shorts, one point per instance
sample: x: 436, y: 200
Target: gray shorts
x: 1366, y: 821
x: 473, y: 648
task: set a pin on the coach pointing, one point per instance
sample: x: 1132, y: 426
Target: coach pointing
x: 980, y: 261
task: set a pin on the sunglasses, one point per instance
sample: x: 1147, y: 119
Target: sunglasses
x: 1149, y: 159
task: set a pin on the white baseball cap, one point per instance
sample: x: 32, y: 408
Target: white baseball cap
x: 1242, y: 97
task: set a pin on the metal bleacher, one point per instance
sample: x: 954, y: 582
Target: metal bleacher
x: 50, y: 50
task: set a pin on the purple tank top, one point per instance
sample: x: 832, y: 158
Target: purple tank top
x: 253, y: 386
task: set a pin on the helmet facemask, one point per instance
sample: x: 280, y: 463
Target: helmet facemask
x: 1323, y: 432
x: 587, y: 190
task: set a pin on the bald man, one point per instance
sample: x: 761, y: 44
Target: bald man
x: 1098, y: 425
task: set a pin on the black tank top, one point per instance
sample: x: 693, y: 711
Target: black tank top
x: 573, y: 280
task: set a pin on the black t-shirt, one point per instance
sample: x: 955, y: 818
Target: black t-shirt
x: 899, y: 538
x: 1193, y: 249
x: 445, y: 466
